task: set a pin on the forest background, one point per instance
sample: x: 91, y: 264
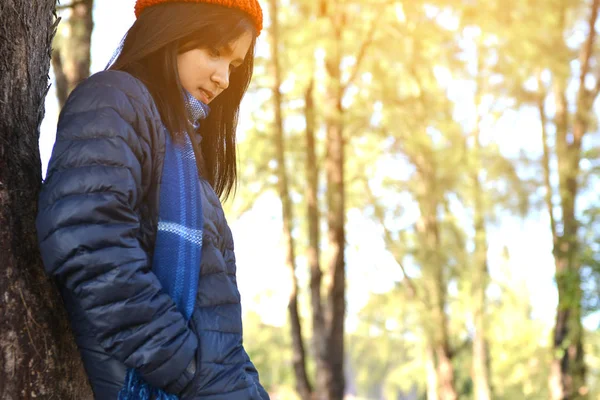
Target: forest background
x: 450, y: 150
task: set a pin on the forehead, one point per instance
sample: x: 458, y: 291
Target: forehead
x: 238, y: 48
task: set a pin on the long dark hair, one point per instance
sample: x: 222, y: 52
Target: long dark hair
x: 149, y: 52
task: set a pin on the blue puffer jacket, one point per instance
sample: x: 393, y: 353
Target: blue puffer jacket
x: 97, y: 221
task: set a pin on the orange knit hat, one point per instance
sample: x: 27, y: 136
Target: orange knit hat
x: 250, y: 7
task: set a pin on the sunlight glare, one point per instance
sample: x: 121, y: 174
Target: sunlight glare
x: 400, y: 12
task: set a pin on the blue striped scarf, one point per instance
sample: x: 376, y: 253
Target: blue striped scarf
x: 178, y: 247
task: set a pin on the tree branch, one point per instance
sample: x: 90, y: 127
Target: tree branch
x: 412, y: 288
x: 364, y: 46
x: 586, y: 50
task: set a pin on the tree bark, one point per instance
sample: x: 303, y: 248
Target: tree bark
x: 37, y: 351
x: 71, y: 52
x: 303, y: 386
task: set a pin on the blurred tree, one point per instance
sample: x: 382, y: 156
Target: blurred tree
x: 568, y: 372
x: 526, y: 56
x: 492, y: 186
x: 303, y: 385
x: 480, y: 278
x: 420, y: 139
x: 313, y: 252
x: 327, y: 289
x: 331, y: 379
x: 38, y: 352
x: 449, y: 163
x: 338, y: 21
x: 434, y: 244
x: 429, y: 254
x: 71, y: 48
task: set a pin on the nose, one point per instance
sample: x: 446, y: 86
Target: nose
x: 221, y: 76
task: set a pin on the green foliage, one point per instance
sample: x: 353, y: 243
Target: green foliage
x: 387, y: 344
x: 270, y: 350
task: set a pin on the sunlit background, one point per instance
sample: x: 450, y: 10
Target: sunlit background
x: 492, y: 93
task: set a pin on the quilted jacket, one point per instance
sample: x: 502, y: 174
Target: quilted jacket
x: 97, y: 221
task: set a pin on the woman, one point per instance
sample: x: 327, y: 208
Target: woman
x: 130, y: 223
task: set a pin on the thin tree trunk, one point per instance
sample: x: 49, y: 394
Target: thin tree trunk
x: 314, y: 237
x: 303, y: 386
x: 336, y: 275
x: 480, y: 370
x: 429, y: 230
x: 329, y: 313
x: 37, y: 351
x: 71, y: 52
x: 568, y: 372
x: 445, y: 369
x: 546, y: 163
x: 568, y: 369
x: 555, y: 380
x: 480, y: 366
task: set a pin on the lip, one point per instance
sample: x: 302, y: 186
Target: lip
x: 207, y: 94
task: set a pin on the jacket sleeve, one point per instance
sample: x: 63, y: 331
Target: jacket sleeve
x: 88, y: 231
x: 253, y: 373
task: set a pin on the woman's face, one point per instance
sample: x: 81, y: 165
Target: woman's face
x: 204, y: 72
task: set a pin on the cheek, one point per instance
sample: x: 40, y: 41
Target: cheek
x: 183, y: 68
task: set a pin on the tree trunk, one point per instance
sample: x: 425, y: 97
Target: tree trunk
x: 480, y: 374
x: 37, y: 350
x: 555, y: 379
x: 329, y: 313
x: 445, y: 369
x: 479, y: 368
x: 71, y: 52
x: 480, y: 360
x: 303, y: 386
x: 437, y: 324
x: 567, y: 380
x: 314, y: 237
x: 568, y: 372
x: 336, y: 274
x: 480, y: 371
x: 445, y: 372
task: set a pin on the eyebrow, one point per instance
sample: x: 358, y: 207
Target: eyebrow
x: 229, y: 50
